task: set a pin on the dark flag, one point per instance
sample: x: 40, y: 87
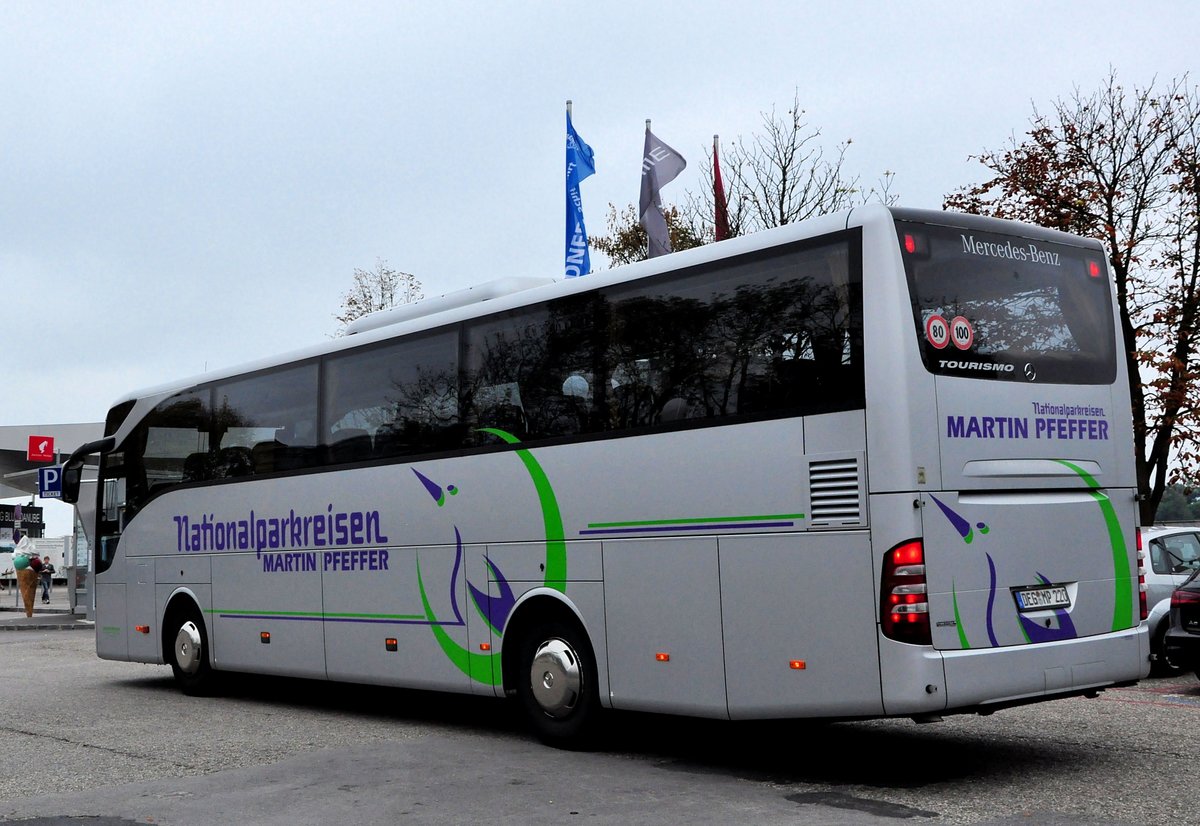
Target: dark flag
x: 660, y: 165
x: 720, y: 207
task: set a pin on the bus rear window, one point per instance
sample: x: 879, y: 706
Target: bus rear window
x: 1009, y: 308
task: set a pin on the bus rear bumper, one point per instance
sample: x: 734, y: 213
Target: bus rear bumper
x: 999, y: 677
x: 988, y: 679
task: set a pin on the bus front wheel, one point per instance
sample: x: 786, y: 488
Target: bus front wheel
x: 556, y: 684
x: 189, y: 654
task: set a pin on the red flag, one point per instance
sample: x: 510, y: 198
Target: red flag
x: 720, y: 208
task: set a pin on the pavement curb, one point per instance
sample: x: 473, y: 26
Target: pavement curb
x: 81, y: 625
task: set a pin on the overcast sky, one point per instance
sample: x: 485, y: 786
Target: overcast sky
x: 185, y: 187
x: 189, y: 186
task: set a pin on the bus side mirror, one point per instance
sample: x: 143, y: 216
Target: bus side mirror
x: 72, y: 472
x: 72, y: 476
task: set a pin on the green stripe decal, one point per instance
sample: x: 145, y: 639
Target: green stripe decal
x: 477, y: 667
x: 1123, y: 594
x: 963, y: 642
x: 556, y: 545
x: 695, y: 520
x: 317, y: 614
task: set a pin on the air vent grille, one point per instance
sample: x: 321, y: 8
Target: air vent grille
x: 835, y: 492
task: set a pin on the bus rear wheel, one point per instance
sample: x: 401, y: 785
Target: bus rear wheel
x: 556, y: 684
x: 189, y: 654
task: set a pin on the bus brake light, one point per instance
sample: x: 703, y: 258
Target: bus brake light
x: 916, y: 244
x: 904, y: 608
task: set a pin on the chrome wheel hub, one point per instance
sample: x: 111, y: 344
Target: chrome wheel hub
x: 556, y: 678
x: 187, y: 648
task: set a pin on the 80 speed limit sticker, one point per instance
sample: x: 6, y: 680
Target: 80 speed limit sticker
x: 937, y: 331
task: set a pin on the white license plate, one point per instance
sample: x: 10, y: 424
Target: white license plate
x: 1040, y: 599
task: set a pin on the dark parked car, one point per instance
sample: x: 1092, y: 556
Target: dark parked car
x: 1182, y: 642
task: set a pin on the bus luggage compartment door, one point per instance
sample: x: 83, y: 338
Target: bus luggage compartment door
x: 1015, y: 568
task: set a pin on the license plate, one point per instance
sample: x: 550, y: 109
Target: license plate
x: 1041, y: 599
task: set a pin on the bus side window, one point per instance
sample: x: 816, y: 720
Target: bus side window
x: 351, y: 444
x: 197, y: 467
x: 234, y: 461
x: 507, y: 417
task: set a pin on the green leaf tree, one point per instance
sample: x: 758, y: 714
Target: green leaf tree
x: 626, y: 241
x: 1174, y: 506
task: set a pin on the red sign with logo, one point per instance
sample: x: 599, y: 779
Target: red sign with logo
x: 41, y: 449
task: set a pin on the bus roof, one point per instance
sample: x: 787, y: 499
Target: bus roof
x: 512, y: 292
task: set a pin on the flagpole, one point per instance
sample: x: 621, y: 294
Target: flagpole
x: 568, y: 108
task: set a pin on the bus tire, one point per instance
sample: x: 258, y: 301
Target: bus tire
x: 189, y: 653
x: 556, y: 683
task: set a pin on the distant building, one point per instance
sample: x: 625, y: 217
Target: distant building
x: 19, y: 480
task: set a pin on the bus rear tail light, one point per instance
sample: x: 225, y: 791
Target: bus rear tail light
x: 1143, y: 606
x: 904, y: 605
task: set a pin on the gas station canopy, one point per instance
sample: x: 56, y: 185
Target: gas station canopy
x: 18, y: 475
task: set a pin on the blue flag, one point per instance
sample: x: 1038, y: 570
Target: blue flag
x: 579, y: 165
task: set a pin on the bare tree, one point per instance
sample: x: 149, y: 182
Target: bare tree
x: 379, y: 289
x: 1123, y: 168
x: 781, y: 175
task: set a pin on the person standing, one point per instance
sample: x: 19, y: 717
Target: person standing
x: 47, y: 577
x: 27, y: 577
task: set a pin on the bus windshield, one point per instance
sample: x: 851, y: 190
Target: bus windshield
x: 1009, y: 308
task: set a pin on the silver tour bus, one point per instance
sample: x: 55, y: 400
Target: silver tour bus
x: 875, y: 464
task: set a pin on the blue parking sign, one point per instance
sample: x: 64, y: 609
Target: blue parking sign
x: 50, y: 482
